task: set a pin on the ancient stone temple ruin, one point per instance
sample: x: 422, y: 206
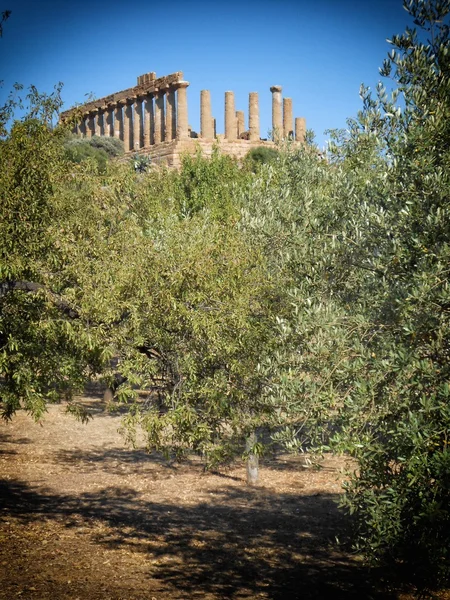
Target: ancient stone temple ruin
x: 152, y: 118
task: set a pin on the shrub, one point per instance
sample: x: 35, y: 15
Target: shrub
x: 259, y: 156
x: 141, y: 163
x: 81, y: 150
x: 112, y: 146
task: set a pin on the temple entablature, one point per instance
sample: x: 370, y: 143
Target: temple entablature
x: 146, y: 84
x: 152, y: 118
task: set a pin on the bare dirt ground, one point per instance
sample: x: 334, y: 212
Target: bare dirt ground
x: 83, y: 517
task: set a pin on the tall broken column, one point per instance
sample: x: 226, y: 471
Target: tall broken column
x: 182, y: 110
x: 253, y: 116
x: 230, y: 117
x: 206, y: 121
x: 300, y: 129
x: 288, y: 121
x: 277, y: 118
x: 240, y: 122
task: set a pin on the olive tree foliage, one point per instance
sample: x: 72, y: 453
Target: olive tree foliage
x: 202, y: 316
x: 298, y: 211
x: 360, y: 243
x: 140, y: 278
x: 387, y: 297
x: 58, y: 230
x: 29, y: 164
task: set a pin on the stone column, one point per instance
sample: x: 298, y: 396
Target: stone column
x: 277, y: 120
x: 206, y: 121
x: 230, y: 117
x: 107, y: 122
x: 159, y: 116
x: 149, y: 135
x: 182, y: 110
x: 288, y: 122
x: 82, y: 127
x: 90, y: 124
x: 300, y: 129
x: 253, y: 116
x: 98, y: 121
x: 213, y: 124
x: 128, y: 126
x: 240, y: 122
x: 118, y: 121
x: 171, y: 115
x: 137, y: 124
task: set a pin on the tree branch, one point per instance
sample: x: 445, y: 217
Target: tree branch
x: 31, y: 286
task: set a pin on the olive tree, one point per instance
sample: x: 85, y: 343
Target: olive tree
x: 395, y: 416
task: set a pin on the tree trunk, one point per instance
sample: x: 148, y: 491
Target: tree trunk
x: 252, y: 460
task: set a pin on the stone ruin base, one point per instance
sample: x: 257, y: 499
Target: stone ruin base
x: 170, y: 153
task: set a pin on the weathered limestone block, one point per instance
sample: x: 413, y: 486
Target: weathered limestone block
x: 288, y: 122
x: 230, y: 117
x: 206, y: 120
x: 138, y: 124
x: 300, y: 129
x: 182, y: 110
x: 171, y: 115
x: 146, y: 78
x: 192, y: 133
x: 253, y: 116
x: 277, y: 119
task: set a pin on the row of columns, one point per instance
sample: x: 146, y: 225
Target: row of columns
x: 282, y: 117
x: 141, y: 121
x: 234, y: 120
x: 161, y: 116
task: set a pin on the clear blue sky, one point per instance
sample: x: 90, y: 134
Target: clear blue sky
x: 320, y: 51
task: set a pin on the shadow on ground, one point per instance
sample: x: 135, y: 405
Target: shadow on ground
x: 112, y: 460
x: 243, y: 542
